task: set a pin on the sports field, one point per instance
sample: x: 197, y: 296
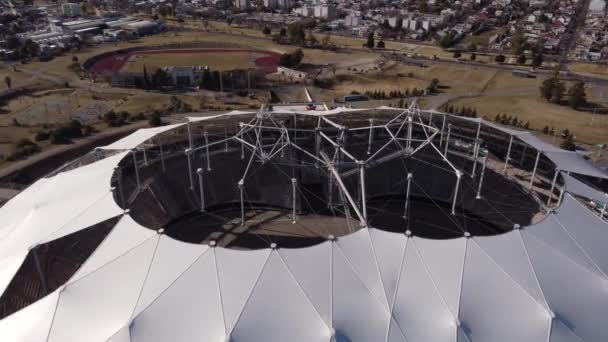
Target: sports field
x: 215, y: 59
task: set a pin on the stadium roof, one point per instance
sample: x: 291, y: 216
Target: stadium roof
x: 544, y: 282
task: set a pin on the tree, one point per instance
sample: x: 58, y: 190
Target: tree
x: 500, y: 59
x: 537, y: 60
x: 161, y: 78
x: 557, y: 92
x: 433, y: 86
x: 521, y: 59
x: 283, y: 32
x: 291, y: 59
x: 8, y: 81
x: 576, y: 95
x: 296, y: 33
x: 472, y: 47
x: 146, y: 78
x: 473, y: 57
x: 370, y: 41
x: 312, y: 39
x: 518, y: 43
x: 568, y: 143
x: 457, y: 54
x: 155, y: 120
x: 266, y: 30
x: 380, y: 44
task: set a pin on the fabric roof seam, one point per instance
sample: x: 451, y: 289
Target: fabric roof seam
x: 219, y: 290
x: 584, y: 251
x: 392, y: 304
x: 48, y: 333
x: 588, y: 210
x: 358, y: 275
x: 521, y: 239
x: 511, y: 277
x: 554, y: 317
x: 71, y: 281
x: 302, y: 289
x: 143, y: 283
x: 79, y: 215
x: 133, y: 317
x: 236, y: 322
x: 373, y: 248
x: 426, y: 269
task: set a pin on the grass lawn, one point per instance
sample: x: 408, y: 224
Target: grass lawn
x: 589, y: 68
x: 541, y: 113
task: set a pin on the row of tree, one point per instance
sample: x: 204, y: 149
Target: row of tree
x: 392, y: 94
x: 465, y: 111
x: 511, y: 121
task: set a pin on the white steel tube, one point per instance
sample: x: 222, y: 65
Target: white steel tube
x: 293, y: 199
x: 534, y: 171
x: 330, y: 191
x: 483, y: 171
x: 188, y: 155
x: 242, y: 151
x: 603, y: 210
x: 363, y: 196
x: 442, y: 130
x: 458, y: 175
x: 208, y: 156
x: 189, y: 134
x: 143, y: 147
x: 504, y: 170
x: 162, y: 157
x: 225, y: 140
x: 407, y: 195
x: 550, y: 197
x: 447, y: 141
x: 475, y: 156
x: 409, y: 135
x: 201, y: 189
x: 561, y: 196
x: 241, y: 184
x: 371, y: 136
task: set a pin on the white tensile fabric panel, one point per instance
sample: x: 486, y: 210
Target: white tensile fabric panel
x: 574, y: 186
x: 495, y: 308
x: 100, y: 211
x: 125, y: 235
x: 32, y: 323
x: 444, y: 260
x: 502, y: 128
x: 573, y: 162
x: 561, y: 333
x: 358, y: 315
x: 189, y: 310
x: 171, y: 259
x: 550, y: 231
x: 538, y: 144
x: 224, y: 115
x: 358, y: 249
x: 509, y: 252
x: 97, y: 306
x: 9, y: 267
x: 419, y: 309
x: 14, y: 211
x: 390, y: 251
x: 394, y: 333
x: 238, y: 272
x: 137, y: 138
x: 123, y: 335
x: 589, y: 231
x: 57, y: 202
x: 278, y: 309
x: 576, y: 296
x: 311, y: 268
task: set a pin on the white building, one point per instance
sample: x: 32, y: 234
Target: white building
x: 325, y: 11
x: 71, y: 9
x: 241, y: 4
x: 352, y: 20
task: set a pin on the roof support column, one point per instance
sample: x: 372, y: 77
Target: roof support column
x: 534, y: 171
x: 188, y: 155
x: 430, y: 118
x: 447, y: 141
x: 550, y: 197
x: 136, y: 168
x: 371, y: 136
x: 363, y: 196
x: 241, y: 185
x: 603, y: 210
x: 293, y: 200
x: 201, y: 188
x: 561, y: 196
x: 189, y: 133
x: 483, y: 171
x: 409, y: 135
x: 162, y: 157
x: 523, y: 155
x: 143, y: 147
x: 317, y: 145
x: 406, y: 208
x: 207, y: 151
x: 475, y: 157
x: 242, y: 151
x: 504, y: 170
x: 458, y: 176
x: 225, y: 140
x: 442, y: 130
